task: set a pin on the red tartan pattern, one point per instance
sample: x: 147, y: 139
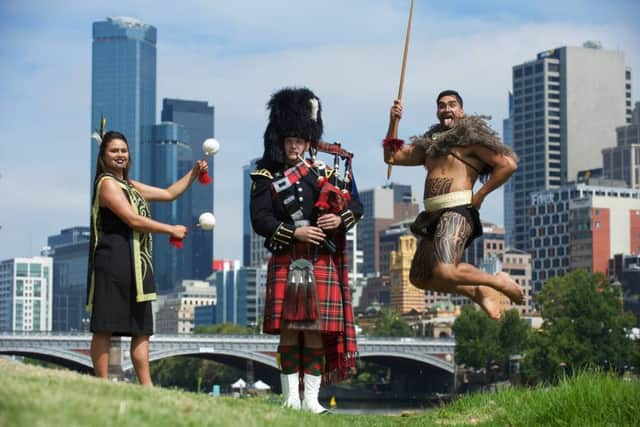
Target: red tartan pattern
x: 336, y: 313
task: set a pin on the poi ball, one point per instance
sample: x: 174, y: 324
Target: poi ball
x: 207, y: 221
x: 210, y: 146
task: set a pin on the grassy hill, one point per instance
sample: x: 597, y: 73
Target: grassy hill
x: 33, y: 396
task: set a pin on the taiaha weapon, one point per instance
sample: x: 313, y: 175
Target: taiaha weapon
x: 394, y: 121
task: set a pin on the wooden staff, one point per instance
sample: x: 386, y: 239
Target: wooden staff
x: 394, y: 122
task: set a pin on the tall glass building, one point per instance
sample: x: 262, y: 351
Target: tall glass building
x: 567, y: 104
x: 197, y: 120
x: 169, y: 158
x: 123, y: 82
x: 70, y: 252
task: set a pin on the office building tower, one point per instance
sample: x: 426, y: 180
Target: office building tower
x: 240, y: 294
x: 198, y: 121
x: 507, y: 137
x: 622, y: 162
x: 254, y: 254
x: 123, y: 83
x: 383, y: 206
x: 581, y: 226
x: 26, y: 294
x: 567, y: 104
x: 625, y: 270
x: 70, y: 253
x: 170, y: 159
x: 490, y: 244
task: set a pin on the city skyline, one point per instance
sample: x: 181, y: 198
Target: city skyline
x: 234, y: 57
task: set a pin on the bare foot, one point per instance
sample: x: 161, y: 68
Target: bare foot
x: 489, y: 300
x: 510, y: 288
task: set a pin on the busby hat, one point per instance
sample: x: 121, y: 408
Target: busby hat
x: 292, y: 112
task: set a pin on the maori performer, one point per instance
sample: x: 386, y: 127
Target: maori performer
x: 456, y: 152
x: 304, y: 209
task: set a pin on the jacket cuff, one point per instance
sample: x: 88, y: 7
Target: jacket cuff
x: 281, y: 238
x: 348, y: 219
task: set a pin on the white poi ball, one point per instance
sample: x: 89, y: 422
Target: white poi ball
x: 207, y: 221
x: 210, y: 146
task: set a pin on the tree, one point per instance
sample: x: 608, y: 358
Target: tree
x: 513, y: 335
x: 583, y: 326
x: 476, y: 338
x: 390, y: 324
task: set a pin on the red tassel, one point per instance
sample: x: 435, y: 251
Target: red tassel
x: 204, y: 178
x: 176, y: 242
x: 322, y: 205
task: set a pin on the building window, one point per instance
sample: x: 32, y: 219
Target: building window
x: 22, y: 269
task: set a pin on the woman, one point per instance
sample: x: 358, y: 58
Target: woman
x: 308, y: 302
x: 121, y: 284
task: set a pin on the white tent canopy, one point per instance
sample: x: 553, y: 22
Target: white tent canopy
x: 260, y: 385
x: 239, y: 384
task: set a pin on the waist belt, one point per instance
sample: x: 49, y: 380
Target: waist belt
x: 449, y: 200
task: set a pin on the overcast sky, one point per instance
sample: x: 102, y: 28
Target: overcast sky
x: 236, y: 54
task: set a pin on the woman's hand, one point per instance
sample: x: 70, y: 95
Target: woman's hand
x: 329, y: 221
x: 200, y: 167
x: 309, y: 234
x: 178, y: 232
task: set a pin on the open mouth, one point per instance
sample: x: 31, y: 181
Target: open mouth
x: 447, y: 120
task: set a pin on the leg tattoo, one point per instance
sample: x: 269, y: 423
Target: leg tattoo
x: 450, y: 237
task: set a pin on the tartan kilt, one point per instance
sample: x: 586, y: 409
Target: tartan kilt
x: 336, y: 312
x: 329, y: 293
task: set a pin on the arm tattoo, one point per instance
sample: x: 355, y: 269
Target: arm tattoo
x: 450, y: 238
x: 437, y: 186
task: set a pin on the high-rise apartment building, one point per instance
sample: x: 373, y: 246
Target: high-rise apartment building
x: 26, y: 294
x: 198, y: 120
x: 70, y: 252
x: 383, y: 206
x: 170, y: 158
x: 567, y: 104
x: 581, y: 226
x: 123, y: 83
x: 623, y: 161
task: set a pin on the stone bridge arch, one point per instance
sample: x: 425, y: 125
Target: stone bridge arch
x: 65, y: 358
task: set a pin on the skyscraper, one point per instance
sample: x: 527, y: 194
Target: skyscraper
x: 123, y: 82
x: 169, y: 158
x: 623, y: 161
x: 383, y: 206
x: 197, y: 119
x: 567, y: 104
x: 70, y: 252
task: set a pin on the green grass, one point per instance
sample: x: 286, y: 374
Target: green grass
x: 33, y: 396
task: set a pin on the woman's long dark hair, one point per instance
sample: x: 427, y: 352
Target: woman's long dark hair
x: 106, y: 140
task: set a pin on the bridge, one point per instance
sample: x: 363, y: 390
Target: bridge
x: 72, y: 349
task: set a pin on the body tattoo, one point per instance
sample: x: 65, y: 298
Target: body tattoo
x: 437, y: 186
x: 450, y: 238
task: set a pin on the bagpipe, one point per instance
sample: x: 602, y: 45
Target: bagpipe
x: 335, y: 189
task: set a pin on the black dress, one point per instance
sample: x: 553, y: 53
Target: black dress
x: 118, y: 306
